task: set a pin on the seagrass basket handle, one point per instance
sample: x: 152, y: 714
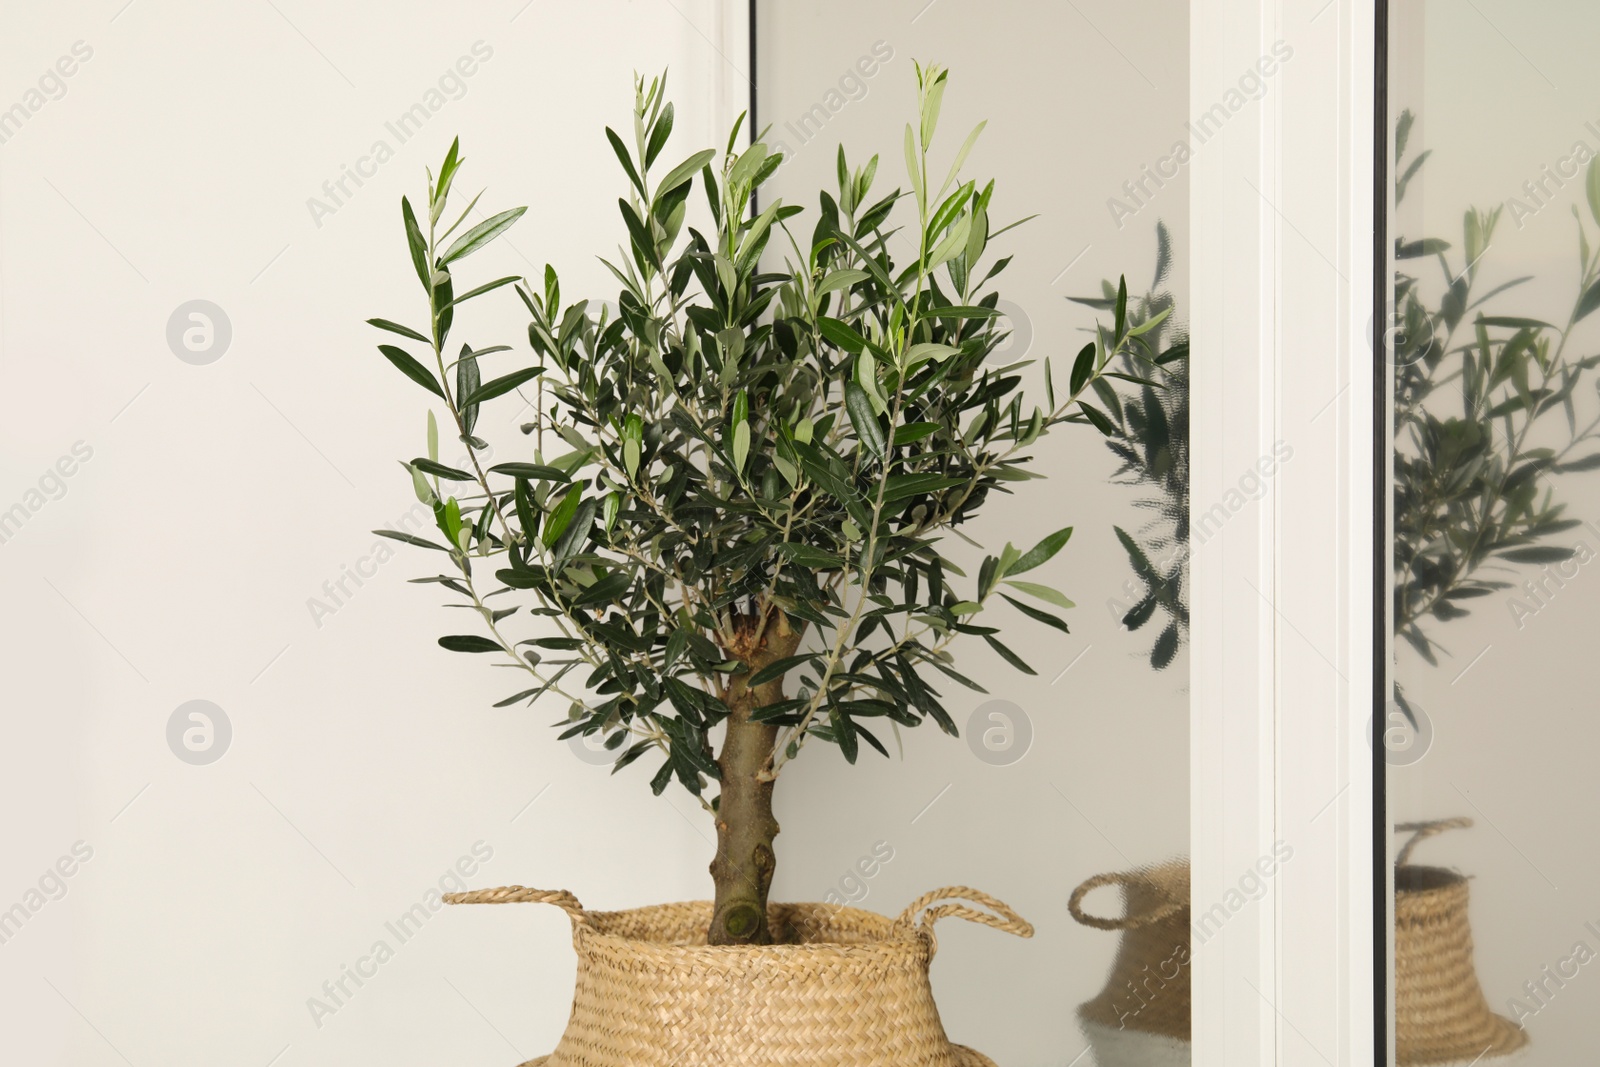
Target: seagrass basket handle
x: 1170, y: 905
x: 1421, y: 831
x: 922, y: 913
x: 516, y: 894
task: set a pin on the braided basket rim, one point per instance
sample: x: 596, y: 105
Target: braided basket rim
x: 888, y: 934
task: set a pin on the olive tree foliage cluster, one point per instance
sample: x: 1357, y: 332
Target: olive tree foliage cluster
x: 744, y: 475
x: 1492, y: 411
x: 1151, y: 443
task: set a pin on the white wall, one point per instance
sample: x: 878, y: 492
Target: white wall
x: 218, y: 499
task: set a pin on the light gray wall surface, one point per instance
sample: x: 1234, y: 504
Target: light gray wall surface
x: 1079, y: 98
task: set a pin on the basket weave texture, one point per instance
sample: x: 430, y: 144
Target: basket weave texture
x: 842, y: 988
x: 1441, y: 1014
x: 1148, y: 988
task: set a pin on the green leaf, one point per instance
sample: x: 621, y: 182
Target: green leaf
x: 418, y: 246
x: 1035, y: 614
x: 961, y: 156
x: 1149, y: 324
x: 439, y: 470
x: 531, y: 471
x: 683, y: 172
x: 921, y: 353
x: 468, y: 643
x: 912, y: 167
x: 481, y: 235
x: 901, y: 486
x: 844, y: 734
x: 410, y: 539
x: 467, y: 381
x: 658, y: 136
x: 1082, y: 368
x: 748, y: 165
x: 499, y: 386
x: 559, y: 519
x: 572, y: 539
x: 412, y: 369
x: 914, y: 431
x: 1591, y: 298
x: 777, y: 669
x: 964, y: 311
x: 1043, y: 592
x: 741, y: 444
x: 1008, y: 655
x: 930, y: 109
x: 842, y: 335
x: 639, y: 234
x: 622, y: 157
x: 808, y: 556
x: 1096, y: 416
x: 951, y: 244
x: 1041, y: 552
x: 395, y: 327
x: 480, y: 290
x: 864, y: 419
x: 607, y: 590
x: 841, y: 279
x: 420, y: 486
x: 527, y: 513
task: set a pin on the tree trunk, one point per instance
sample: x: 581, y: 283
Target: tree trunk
x: 744, y: 864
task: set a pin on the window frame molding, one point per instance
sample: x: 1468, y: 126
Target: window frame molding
x: 1285, y: 648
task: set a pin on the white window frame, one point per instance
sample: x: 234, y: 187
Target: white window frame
x: 1282, y: 215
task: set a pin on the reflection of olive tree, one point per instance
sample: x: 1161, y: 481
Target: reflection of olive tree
x: 1471, y: 388
x: 1149, y: 433
x: 1485, y: 406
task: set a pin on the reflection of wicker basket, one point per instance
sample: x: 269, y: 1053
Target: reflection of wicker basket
x: 1441, y: 1015
x: 847, y: 988
x: 1141, y: 1017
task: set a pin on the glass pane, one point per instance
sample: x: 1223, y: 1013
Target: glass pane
x: 1496, y: 468
x: 1082, y: 769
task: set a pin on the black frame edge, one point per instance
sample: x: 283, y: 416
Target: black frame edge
x: 1381, y: 1008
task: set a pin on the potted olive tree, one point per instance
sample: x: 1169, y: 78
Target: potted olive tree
x: 726, y: 544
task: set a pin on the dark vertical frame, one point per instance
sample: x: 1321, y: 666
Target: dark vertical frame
x: 1382, y: 924
x: 751, y: 120
x: 755, y: 80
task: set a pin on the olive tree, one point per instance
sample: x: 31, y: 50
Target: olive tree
x: 727, y: 540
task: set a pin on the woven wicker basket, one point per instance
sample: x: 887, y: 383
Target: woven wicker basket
x: 1441, y: 1015
x: 1141, y: 1017
x: 843, y: 988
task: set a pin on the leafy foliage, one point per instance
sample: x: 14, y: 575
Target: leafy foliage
x: 1149, y: 416
x: 1473, y: 390
x: 742, y: 449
